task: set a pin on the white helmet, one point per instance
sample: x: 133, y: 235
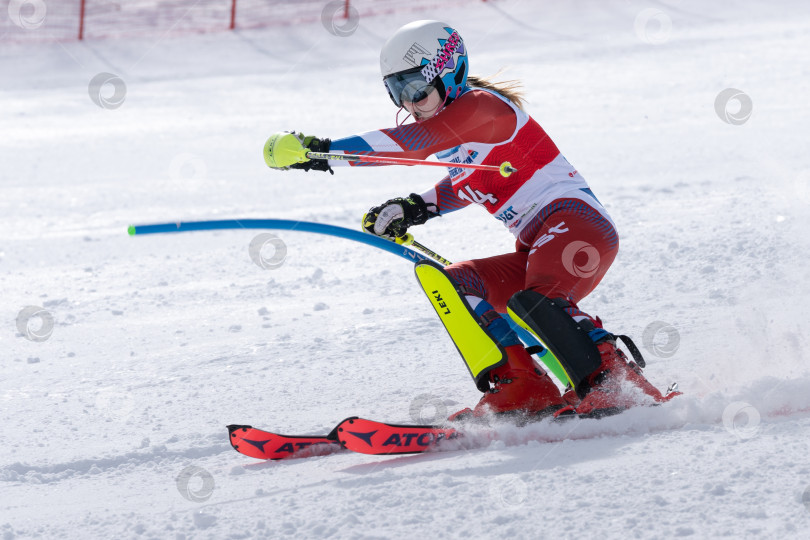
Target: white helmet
x: 421, y: 55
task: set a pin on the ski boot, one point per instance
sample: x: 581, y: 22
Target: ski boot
x: 520, y: 389
x: 616, y: 385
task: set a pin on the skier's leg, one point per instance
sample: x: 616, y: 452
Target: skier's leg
x: 487, y: 285
x: 570, y: 255
x: 571, y: 251
x: 518, y: 383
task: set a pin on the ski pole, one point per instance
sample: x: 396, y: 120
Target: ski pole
x: 408, y: 240
x: 505, y: 168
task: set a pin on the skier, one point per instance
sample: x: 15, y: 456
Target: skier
x: 565, y: 239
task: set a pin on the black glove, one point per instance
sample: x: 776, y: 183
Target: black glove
x: 314, y: 144
x: 393, y: 217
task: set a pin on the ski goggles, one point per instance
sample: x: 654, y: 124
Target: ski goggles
x: 409, y: 85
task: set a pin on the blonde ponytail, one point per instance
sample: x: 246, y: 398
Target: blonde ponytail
x: 511, y: 89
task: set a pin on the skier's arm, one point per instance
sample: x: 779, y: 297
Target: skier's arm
x: 443, y: 197
x: 476, y: 116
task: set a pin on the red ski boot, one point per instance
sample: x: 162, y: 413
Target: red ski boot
x: 615, y: 386
x: 520, y: 387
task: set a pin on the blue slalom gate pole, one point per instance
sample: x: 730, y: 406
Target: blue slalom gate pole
x: 310, y: 227
x: 283, y: 225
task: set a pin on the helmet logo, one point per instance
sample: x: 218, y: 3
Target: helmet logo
x: 414, y: 50
x: 443, y: 57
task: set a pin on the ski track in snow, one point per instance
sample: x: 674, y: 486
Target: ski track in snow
x: 161, y: 341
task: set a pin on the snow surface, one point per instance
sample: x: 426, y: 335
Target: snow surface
x: 161, y: 341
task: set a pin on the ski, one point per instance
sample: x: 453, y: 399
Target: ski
x: 260, y: 444
x: 381, y: 438
x: 371, y: 437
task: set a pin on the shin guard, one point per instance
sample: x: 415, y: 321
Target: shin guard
x: 575, y: 351
x: 480, y: 351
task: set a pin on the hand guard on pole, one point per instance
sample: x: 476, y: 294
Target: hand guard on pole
x: 287, y: 150
x: 394, y: 216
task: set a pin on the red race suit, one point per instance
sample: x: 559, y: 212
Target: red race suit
x: 565, y: 239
